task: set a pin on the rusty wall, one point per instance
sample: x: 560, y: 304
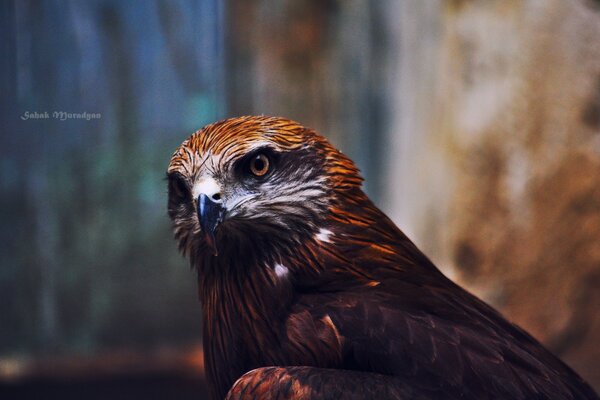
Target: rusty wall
x: 504, y: 172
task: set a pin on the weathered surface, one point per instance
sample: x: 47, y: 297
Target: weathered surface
x: 511, y: 201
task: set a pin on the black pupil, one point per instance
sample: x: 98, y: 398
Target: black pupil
x: 259, y: 164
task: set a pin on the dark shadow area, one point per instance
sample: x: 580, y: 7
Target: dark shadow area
x: 135, y: 386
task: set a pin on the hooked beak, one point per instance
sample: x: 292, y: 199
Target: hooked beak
x: 210, y: 214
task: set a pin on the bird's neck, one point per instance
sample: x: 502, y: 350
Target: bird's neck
x: 243, y: 300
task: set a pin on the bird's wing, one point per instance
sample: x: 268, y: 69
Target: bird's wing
x: 303, y: 383
x: 443, y: 340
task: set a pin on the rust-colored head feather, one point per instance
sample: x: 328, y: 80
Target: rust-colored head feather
x: 233, y: 138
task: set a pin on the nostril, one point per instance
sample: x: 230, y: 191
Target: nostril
x: 216, y: 196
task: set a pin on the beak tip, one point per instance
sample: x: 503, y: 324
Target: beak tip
x: 210, y: 215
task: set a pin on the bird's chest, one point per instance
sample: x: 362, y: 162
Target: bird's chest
x: 257, y: 322
x: 243, y: 326
x: 242, y: 338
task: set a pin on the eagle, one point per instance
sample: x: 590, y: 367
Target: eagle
x: 309, y: 291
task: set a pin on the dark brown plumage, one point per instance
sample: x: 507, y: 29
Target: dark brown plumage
x: 309, y: 291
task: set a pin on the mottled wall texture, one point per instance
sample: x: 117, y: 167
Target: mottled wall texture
x: 525, y: 213
x: 475, y: 122
x: 504, y: 172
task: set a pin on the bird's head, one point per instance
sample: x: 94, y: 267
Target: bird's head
x: 260, y: 181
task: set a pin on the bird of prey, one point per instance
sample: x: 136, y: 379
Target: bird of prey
x: 309, y: 291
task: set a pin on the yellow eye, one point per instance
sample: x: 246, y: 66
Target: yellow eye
x: 259, y: 165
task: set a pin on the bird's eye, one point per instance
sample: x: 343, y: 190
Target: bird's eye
x: 178, y: 187
x: 259, y: 165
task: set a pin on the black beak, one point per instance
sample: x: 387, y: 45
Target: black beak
x: 210, y: 214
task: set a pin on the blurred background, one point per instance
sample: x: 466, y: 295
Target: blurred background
x: 475, y: 123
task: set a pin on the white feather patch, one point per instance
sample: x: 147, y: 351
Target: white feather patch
x: 207, y: 186
x: 281, y: 271
x: 323, y: 235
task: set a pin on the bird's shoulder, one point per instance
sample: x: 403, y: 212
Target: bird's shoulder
x: 434, y: 335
